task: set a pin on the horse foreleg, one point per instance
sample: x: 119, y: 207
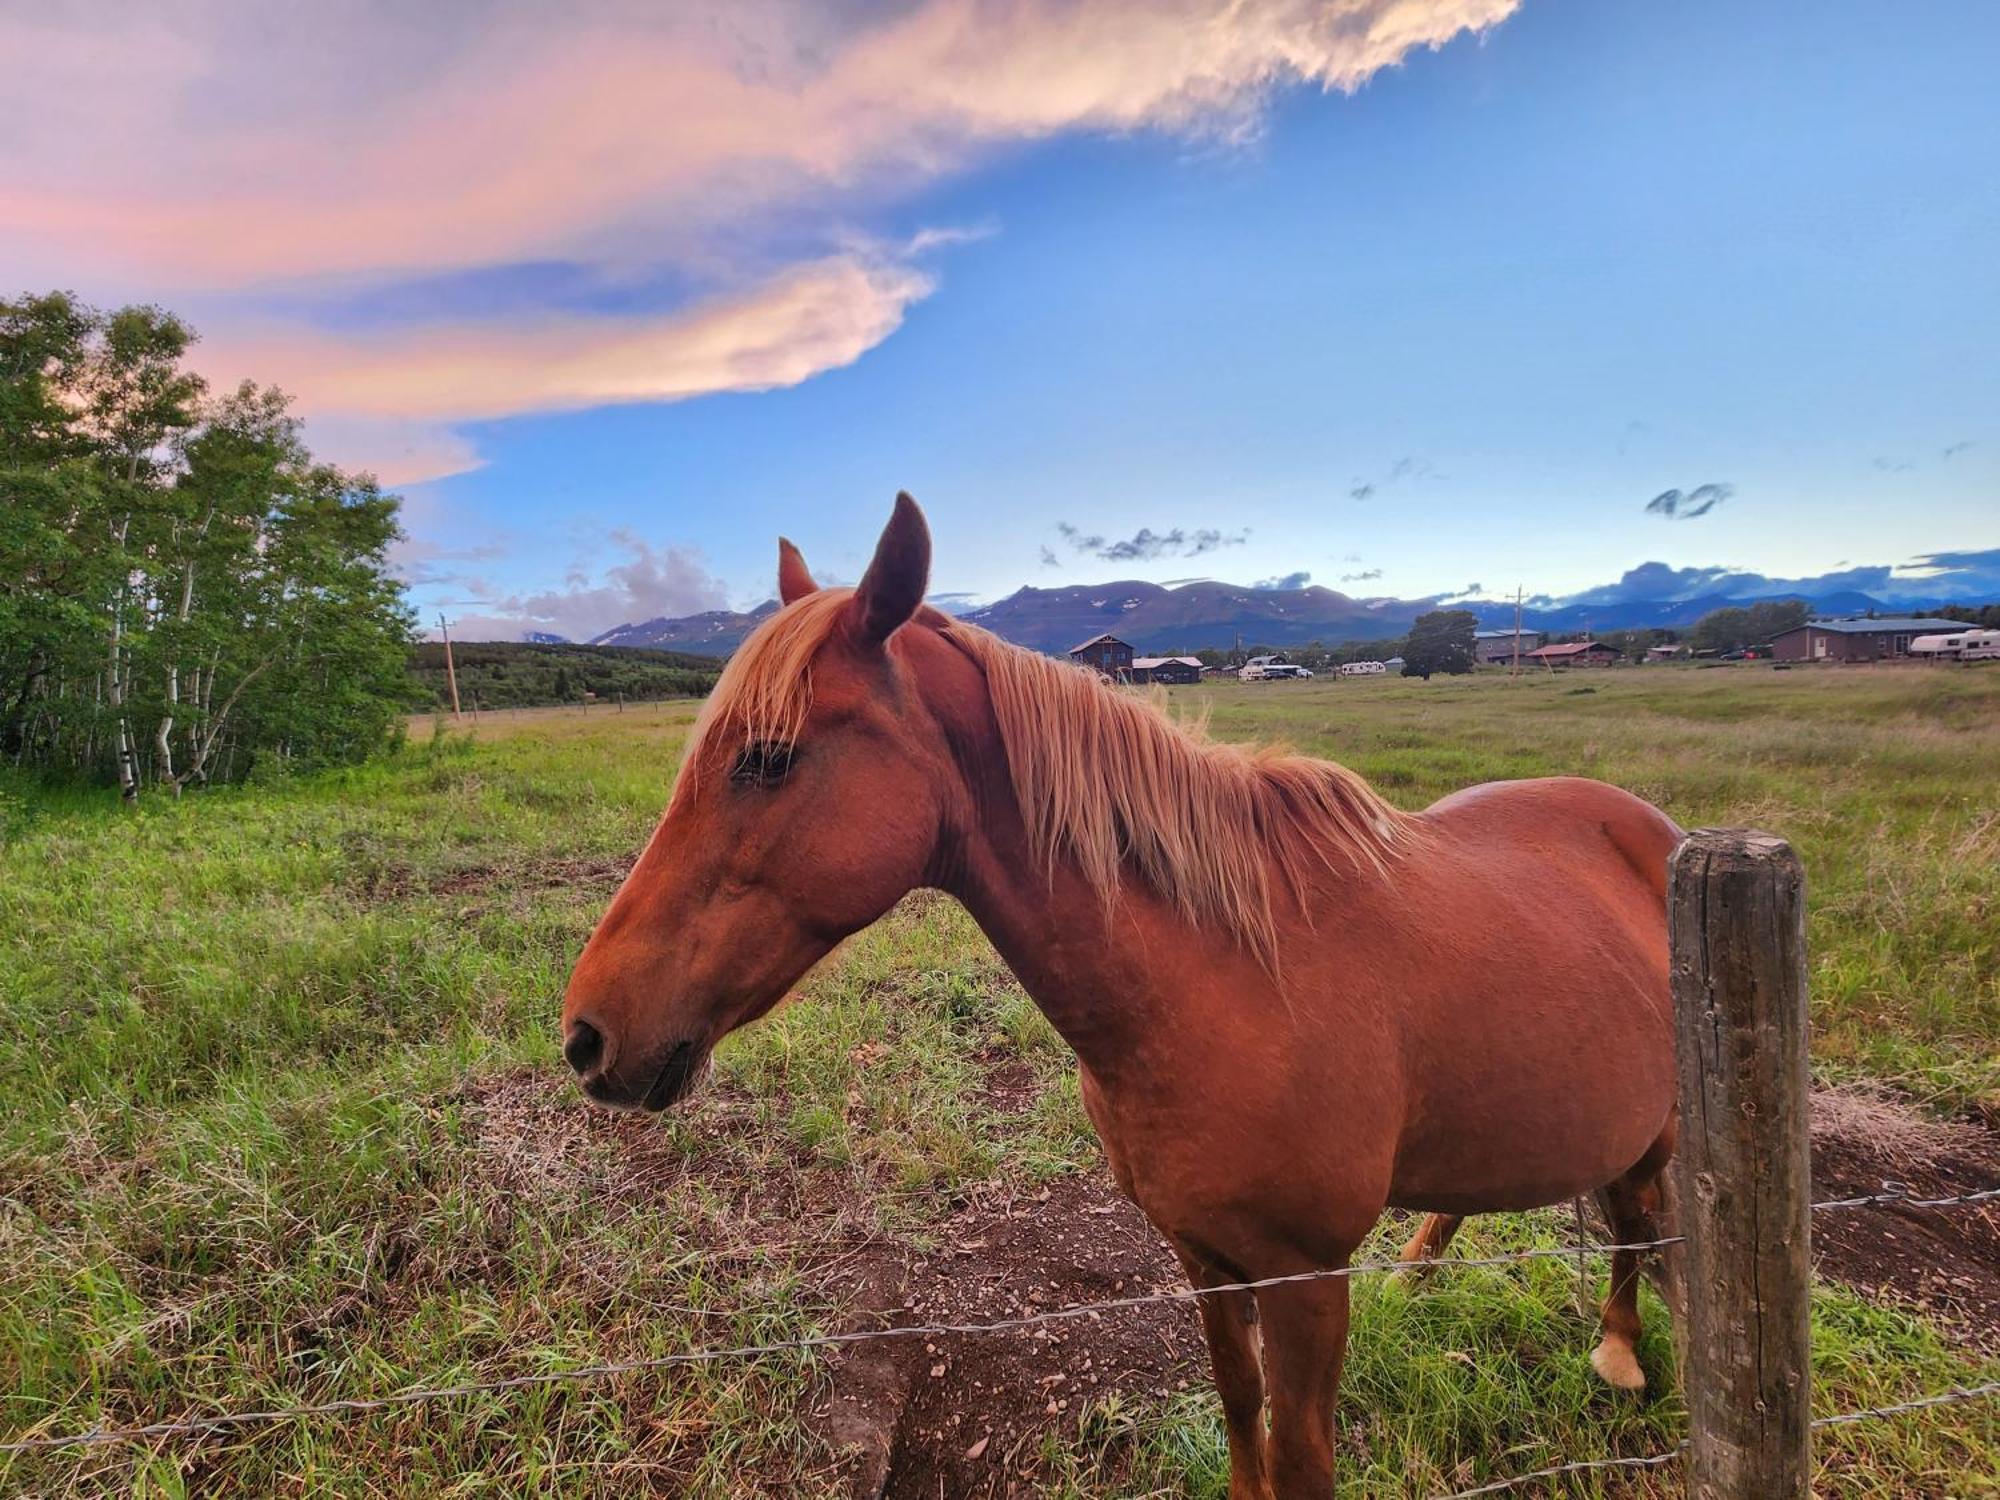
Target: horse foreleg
x: 1229, y: 1319
x: 1305, y: 1343
x: 1429, y: 1242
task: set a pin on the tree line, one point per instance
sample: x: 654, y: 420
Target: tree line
x: 185, y: 592
x: 503, y: 674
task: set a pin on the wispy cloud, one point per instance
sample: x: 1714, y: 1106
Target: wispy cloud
x: 1689, y: 505
x: 1049, y: 558
x: 394, y: 393
x: 1296, y: 580
x: 1952, y: 450
x: 1146, y: 544
x: 1366, y: 575
x: 1402, y: 471
x: 651, y: 581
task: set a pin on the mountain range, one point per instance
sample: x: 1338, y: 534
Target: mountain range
x: 1156, y: 618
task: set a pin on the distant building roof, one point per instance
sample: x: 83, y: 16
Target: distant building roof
x: 1895, y: 623
x: 1572, y: 648
x: 1106, y: 639
x: 1147, y: 663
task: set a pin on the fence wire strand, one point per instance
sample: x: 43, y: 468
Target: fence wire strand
x: 1891, y: 1194
x: 1950, y: 1397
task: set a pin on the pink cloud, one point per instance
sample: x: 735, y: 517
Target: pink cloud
x: 384, y: 401
x: 204, y: 145
x: 213, y: 146
x: 811, y: 318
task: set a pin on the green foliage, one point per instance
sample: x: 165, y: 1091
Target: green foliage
x: 1985, y: 616
x: 505, y: 674
x: 183, y: 589
x: 1440, y: 641
x: 1735, y: 629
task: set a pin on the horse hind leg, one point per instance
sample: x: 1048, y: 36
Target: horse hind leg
x: 1631, y: 1205
x: 1428, y: 1243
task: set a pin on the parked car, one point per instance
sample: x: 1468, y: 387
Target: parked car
x: 1272, y: 669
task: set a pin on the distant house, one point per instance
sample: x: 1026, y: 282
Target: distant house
x: 1166, y: 669
x: 1855, y: 640
x: 1489, y: 646
x: 1106, y: 654
x: 1573, y: 654
x: 1665, y: 653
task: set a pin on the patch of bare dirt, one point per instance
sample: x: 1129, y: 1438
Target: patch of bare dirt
x: 968, y: 1415
x: 1944, y: 1262
x: 908, y: 1417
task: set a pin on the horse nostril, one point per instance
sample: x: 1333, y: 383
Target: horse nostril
x: 584, y: 1047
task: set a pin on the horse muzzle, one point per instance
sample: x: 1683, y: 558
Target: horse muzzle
x: 586, y: 1051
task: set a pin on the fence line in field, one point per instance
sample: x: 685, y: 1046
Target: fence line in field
x: 1890, y: 1195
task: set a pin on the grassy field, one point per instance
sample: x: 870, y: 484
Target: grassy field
x: 284, y: 1118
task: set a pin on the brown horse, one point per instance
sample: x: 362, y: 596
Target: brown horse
x: 1292, y: 1003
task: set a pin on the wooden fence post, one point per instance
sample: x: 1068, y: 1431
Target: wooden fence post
x: 1743, y: 1172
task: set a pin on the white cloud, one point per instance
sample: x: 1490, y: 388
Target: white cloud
x: 649, y: 583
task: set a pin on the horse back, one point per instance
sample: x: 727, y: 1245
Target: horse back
x: 1537, y: 1035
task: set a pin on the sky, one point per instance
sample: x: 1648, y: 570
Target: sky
x: 1411, y: 297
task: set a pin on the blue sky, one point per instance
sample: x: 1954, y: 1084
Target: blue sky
x: 1456, y: 327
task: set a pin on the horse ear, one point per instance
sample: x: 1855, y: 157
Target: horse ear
x: 894, y: 584
x: 794, y: 582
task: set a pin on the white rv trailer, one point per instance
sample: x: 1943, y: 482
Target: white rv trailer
x: 1959, y: 645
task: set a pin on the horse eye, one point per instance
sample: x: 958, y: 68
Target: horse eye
x: 762, y: 764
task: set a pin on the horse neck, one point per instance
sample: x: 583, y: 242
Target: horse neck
x: 1082, y: 962
x: 1101, y: 971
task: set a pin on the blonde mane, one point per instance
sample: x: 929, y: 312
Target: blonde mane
x: 1106, y: 779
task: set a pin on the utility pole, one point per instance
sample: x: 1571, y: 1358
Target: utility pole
x: 1517, y: 632
x: 450, y: 672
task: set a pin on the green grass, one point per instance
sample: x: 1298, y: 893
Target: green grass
x: 283, y: 1118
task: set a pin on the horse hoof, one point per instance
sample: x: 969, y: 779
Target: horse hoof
x: 1617, y: 1366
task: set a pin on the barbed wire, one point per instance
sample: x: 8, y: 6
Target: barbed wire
x: 1581, y: 1466
x: 1891, y: 1193
x: 1950, y: 1397
x: 1901, y: 1194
